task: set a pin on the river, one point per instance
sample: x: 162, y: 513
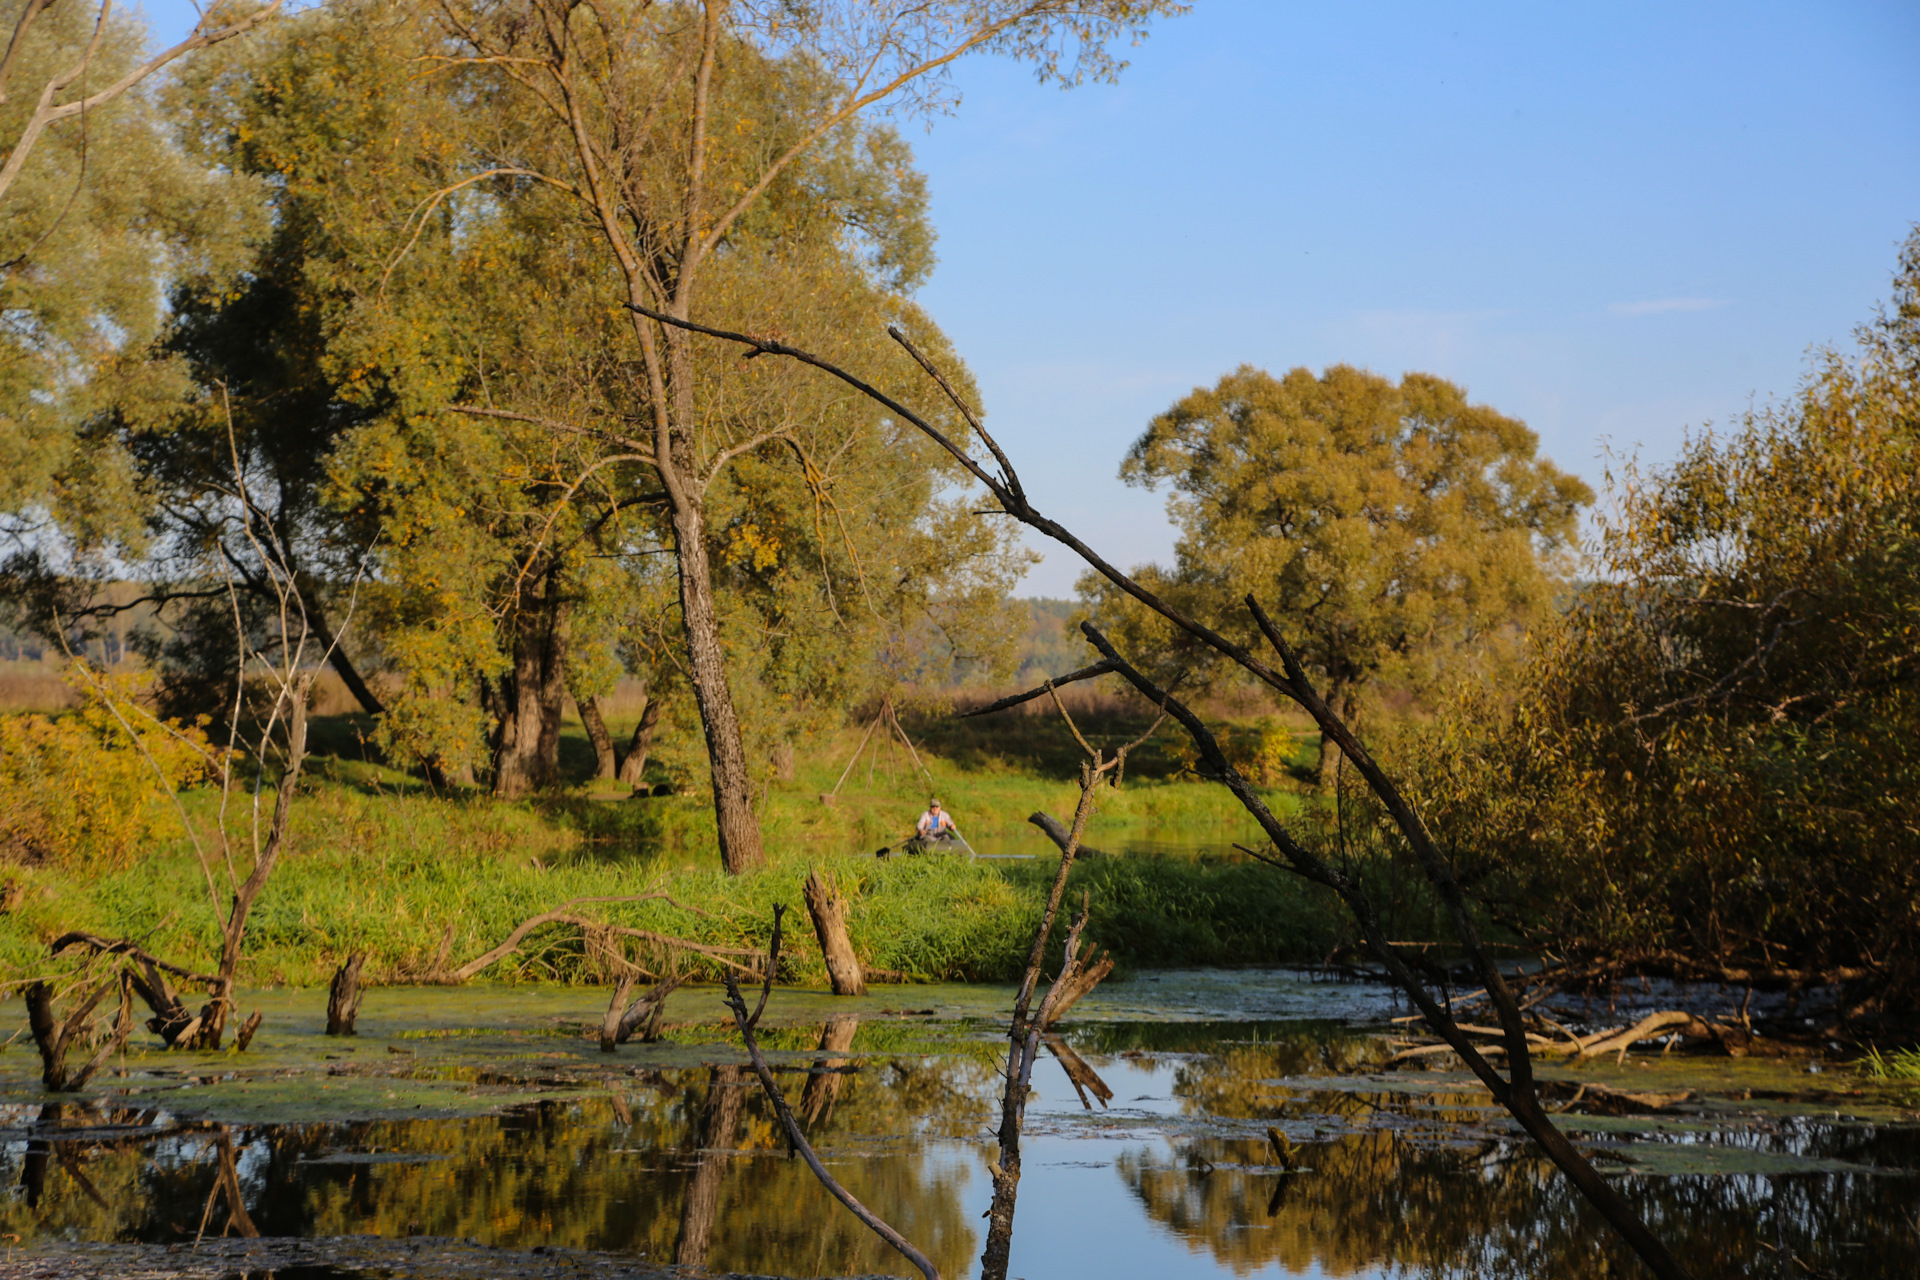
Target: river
x: 484, y: 1115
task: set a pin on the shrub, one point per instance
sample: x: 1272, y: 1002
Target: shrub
x: 75, y: 790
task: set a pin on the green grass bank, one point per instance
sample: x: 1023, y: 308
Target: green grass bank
x: 378, y: 862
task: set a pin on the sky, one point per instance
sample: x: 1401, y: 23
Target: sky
x: 1617, y: 222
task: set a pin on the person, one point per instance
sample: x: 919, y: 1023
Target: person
x: 936, y: 823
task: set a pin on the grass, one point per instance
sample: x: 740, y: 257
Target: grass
x: 1898, y: 1064
x: 377, y: 862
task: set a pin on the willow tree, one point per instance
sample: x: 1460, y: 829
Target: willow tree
x: 669, y: 176
x: 1395, y: 522
x: 98, y: 207
x: 471, y: 382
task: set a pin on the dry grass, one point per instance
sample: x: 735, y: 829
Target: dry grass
x: 34, y: 686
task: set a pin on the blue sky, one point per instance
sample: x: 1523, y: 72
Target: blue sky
x: 1614, y: 222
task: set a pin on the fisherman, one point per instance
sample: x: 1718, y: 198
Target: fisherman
x: 935, y: 830
x: 936, y: 823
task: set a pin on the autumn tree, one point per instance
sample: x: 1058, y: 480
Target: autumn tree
x: 1708, y: 765
x: 669, y: 176
x: 1394, y: 522
x: 442, y: 331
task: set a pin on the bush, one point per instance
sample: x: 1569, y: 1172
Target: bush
x: 76, y: 791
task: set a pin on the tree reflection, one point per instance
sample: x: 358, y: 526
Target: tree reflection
x: 1431, y: 1184
x: 686, y: 1166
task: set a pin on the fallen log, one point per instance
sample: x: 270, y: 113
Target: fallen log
x: 173, y: 1020
x: 1050, y: 825
x: 1668, y: 1021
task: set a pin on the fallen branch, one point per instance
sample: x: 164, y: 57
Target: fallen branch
x: 54, y: 1036
x: 795, y: 1137
x: 1645, y: 1029
x: 125, y: 947
x: 561, y: 915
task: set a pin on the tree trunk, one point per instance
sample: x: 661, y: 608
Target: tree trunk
x: 829, y: 912
x: 605, y: 765
x: 336, y: 652
x: 343, y: 997
x: 739, y: 828
x: 1339, y: 695
x: 533, y: 696
x: 634, y: 766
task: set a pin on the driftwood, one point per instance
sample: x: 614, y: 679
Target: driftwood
x: 563, y: 915
x: 1084, y: 1079
x: 54, y: 1036
x: 642, y: 1015
x: 343, y: 996
x: 829, y: 912
x: 797, y: 1139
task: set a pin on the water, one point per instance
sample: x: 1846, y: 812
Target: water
x: 496, y: 1122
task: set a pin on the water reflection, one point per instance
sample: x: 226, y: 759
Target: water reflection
x: 1150, y: 1158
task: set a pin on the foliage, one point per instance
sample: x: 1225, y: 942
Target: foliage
x: 405, y: 282
x: 77, y: 793
x: 1385, y: 526
x: 1896, y: 1064
x: 104, y: 210
x: 1714, y: 753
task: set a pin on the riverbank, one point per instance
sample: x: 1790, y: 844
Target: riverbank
x: 423, y: 882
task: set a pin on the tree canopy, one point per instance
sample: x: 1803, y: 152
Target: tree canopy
x: 1391, y: 523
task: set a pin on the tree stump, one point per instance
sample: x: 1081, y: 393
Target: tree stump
x: 643, y: 1016
x: 829, y: 912
x: 343, y: 997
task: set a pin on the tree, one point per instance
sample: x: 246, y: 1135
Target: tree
x: 669, y: 176
x: 1707, y: 767
x: 445, y: 334
x: 1395, y: 523
x: 97, y: 207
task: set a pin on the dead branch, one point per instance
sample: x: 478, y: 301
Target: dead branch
x: 1515, y: 1091
x: 124, y: 947
x: 54, y: 1036
x: 795, y: 1137
x: 1014, y: 700
x: 561, y: 915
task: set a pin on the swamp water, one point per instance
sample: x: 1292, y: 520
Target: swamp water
x: 487, y: 1115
